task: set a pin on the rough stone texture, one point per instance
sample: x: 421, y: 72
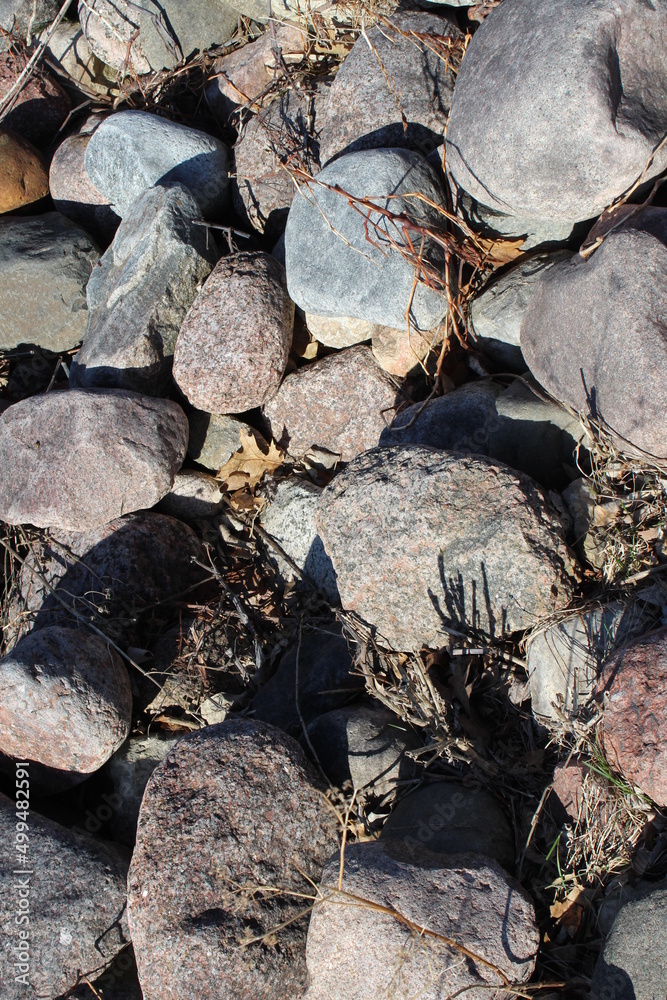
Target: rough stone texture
x: 287, y: 10
x: 423, y: 541
x: 76, y: 907
x: 70, y: 54
x: 234, y: 343
x: 633, y: 964
x: 448, y: 817
x: 75, y: 195
x: 289, y: 518
x: 364, y: 745
x: 495, y: 316
x: 325, y: 681
x: 367, y: 107
x: 400, y: 352
x: 341, y: 403
x: 69, y: 682
x: 334, y: 268
x: 17, y: 16
x: 78, y: 459
x: 141, y: 291
x: 45, y: 264
x: 354, y: 951
x: 132, y: 151
x: 595, y: 331
x: 129, y: 770
x: 194, y: 494
x: 577, y: 125
x: 42, y: 105
x: 339, y: 331
x: 23, y: 175
x: 583, y: 507
x: 215, y: 437
x: 634, y: 724
x: 119, y: 982
x: 233, y: 805
x: 567, y: 794
x: 139, y: 36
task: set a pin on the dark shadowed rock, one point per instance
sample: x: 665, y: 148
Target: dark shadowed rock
x: 129, y: 770
x: 24, y: 176
x: 119, y: 982
x: 424, y: 541
x: 633, y: 964
x: 232, y: 807
x: 41, y: 106
x: 194, y: 494
x: 215, y: 437
x: 75, y: 195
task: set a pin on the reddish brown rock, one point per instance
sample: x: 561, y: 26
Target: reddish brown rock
x: 41, y: 106
x: 401, y: 351
x: 23, y: 173
x: 633, y: 687
x: 568, y: 791
x: 341, y: 404
x: 232, y: 807
x: 75, y: 195
x: 234, y: 343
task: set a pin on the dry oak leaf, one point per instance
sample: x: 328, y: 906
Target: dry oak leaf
x: 247, y: 465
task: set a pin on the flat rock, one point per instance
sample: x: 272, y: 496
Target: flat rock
x: 234, y: 343
x: 132, y: 151
x: 215, y: 437
x: 394, y: 74
x: 339, y: 331
x: 232, y: 807
x: 41, y: 106
x: 78, y: 459
x: 70, y: 55
x: 23, y: 175
x: 567, y: 797
x: 76, y: 907
x: 141, y: 291
x: 194, y: 494
x: 633, y: 964
x: 355, y: 951
x: 75, y: 195
x: 425, y: 541
x: 594, y: 332
x: 298, y: 11
x: 17, y: 16
x: 341, y: 264
x: 70, y: 682
x: 45, y: 264
x: 634, y: 725
x: 128, y: 771
x: 341, y: 403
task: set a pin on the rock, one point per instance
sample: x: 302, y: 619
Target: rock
x: 340, y: 403
x: 400, y: 352
x: 632, y: 687
x: 132, y: 151
x: 141, y: 291
x: 289, y: 518
x: 338, y: 263
x: 633, y: 964
x: 394, y: 74
x: 232, y: 807
x: 75, y: 195
x: 594, y: 332
x: 45, y: 264
x: 69, y: 53
x: 23, y: 174
x: 365, y: 746
x: 234, y: 343
x: 471, y: 901
x: 136, y: 36
x: 41, y: 106
x: 74, y: 899
x: 494, y: 318
x: 129, y: 770
x: 119, y: 982
x: 339, y: 331
x: 588, y: 515
x: 60, y: 680
x: 577, y: 125
x: 325, y: 681
x: 215, y: 437
x: 567, y: 793
x: 513, y: 425
x: 449, y: 817
x: 23, y: 16
x: 193, y: 495
x: 80, y: 458
x: 285, y: 10
x: 425, y: 541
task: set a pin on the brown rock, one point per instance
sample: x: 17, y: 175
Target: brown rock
x: 232, y: 807
x: 567, y: 793
x: 80, y: 458
x: 23, y: 173
x: 234, y: 343
x: 42, y: 105
x: 69, y: 682
x: 399, y: 351
x: 341, y: 404
x: 340, y: 331
x: 75, y: 195
x: 633, y: 685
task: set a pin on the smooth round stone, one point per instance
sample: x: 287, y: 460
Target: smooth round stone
x: 23, y: 174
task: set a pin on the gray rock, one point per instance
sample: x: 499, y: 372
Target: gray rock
x: 45, y: 264
x: 75, y: 195
x: 76, y: 907
x: 595, y: 331
x: 141, y: 291
x: 356, y: 951
x: 215, y: 437
x: 286, y: 10
x: 193, y: 495
x: 393, y: 74
x: 340, y: 264
x: 560, y: 140
x: 633, y: 965
x: 448, y: 817
x: 69, y: 54
x: 132, y: 151
x: 590, y: 539
x: 21, y: 16
x: 424, y: 541
x: 128, y: 771
x: 494, y: 318
x: 289, y: 518
x: 78, y: 459
x: 69, y: 682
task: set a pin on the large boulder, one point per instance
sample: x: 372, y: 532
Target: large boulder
x: 424, y: 541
